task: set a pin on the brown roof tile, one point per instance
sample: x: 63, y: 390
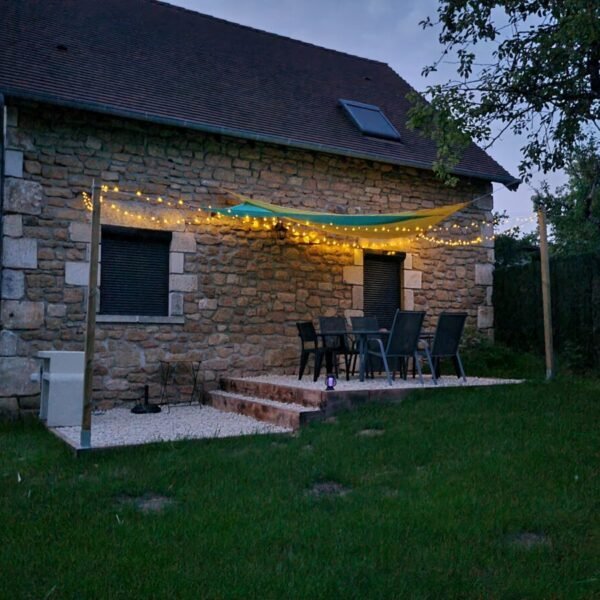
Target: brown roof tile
x: 151, y: 60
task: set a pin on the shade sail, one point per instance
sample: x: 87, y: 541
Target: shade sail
x: 387, y: 226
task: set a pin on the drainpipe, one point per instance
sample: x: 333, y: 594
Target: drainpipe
x: 2, y: 145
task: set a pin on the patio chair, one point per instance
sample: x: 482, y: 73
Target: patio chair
x: 336, y: 345
x: 402, y: 342
x: 445, y: 343
x: 309, y: 344
x: 370, y: 323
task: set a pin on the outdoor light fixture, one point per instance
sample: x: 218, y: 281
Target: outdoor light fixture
x: 280, y: 230
x: 331, y: 381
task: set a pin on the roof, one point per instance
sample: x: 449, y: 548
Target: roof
x: 150, y: 60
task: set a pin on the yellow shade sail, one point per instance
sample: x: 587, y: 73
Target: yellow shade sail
x: 384, y: 227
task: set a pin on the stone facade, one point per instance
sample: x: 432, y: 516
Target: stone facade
x: 235, y: 294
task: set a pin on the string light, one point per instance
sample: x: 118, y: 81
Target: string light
x: 455, y: 243
x: 515, y: 229
x: 305, y: 232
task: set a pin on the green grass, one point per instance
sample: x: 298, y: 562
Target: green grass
x: 483, y: 358
x: 432, y: 506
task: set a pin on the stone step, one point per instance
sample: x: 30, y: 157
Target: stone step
x: 313, y: 398
x: 285, y: 414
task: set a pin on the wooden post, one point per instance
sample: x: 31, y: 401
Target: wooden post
x: 546, y: 303
x: 90, y: 330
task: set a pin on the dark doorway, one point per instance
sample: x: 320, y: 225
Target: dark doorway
x: 382, y: 287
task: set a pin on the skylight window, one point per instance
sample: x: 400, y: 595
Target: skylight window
x: 370, y: 119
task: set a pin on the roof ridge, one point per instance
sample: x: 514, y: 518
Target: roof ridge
x: 278, y: 35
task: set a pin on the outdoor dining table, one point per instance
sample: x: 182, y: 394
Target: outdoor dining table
x: 363, y: 337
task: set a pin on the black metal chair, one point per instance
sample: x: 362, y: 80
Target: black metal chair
x: 402, y: 342
x: 445, y: 343
x: 309, y: 342
x: 363, y: 323
x: 335, y: 345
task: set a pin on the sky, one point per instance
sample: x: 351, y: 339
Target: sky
x: 383, y: 30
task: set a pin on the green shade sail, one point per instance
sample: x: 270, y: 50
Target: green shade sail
x: 369, y: 226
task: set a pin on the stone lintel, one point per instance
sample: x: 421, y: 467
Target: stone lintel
x: 183, y: 242
x: 20, y: 253
x: 21, y: 196
x: 176, y: 262
x: 12, y: 225
x: 13, y: 284
x: 484, y: 274
x: 489, y: 296
x: 88, y: 253
x: 175, y: 304
x: 183, y: 283
x: 13, y: 163
x: 80, y: 232
x: 353, y: 275
x: 358, y: 297
x: 77, y: 273
x: 413, y: 280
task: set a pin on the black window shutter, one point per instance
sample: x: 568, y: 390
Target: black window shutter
x: 134, y: 276
x: 382, y: 293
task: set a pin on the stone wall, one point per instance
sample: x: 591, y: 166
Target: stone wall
x: 235, y: 293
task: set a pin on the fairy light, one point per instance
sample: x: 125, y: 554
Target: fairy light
x: 455, y: 243
x: 300, y: 232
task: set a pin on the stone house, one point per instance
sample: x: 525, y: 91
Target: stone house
x: 178, y: 105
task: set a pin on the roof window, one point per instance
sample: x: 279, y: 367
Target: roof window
x: 370, y: 119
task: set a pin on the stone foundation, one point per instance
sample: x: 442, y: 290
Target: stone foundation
x: 235, y: 294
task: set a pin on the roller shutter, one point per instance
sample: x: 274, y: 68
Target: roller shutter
x: 382, y: 287
x: 134, y: 272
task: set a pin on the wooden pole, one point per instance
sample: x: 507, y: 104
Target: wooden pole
x: 546, y: 303
x: 90, y: 330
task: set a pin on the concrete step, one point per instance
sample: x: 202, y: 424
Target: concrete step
x: 285, y: 414
x: 312, y: 398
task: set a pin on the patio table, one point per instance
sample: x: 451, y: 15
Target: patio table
x: 363, y: 337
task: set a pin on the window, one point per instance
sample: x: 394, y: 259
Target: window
x: 382, y: 287
x: 134, y: 272
x: 370, y: 119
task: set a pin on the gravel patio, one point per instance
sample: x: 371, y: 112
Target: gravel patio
x: 119, y: 427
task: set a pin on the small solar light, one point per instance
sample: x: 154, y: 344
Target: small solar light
x: 331, y: 381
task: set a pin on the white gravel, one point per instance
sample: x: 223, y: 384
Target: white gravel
x: 380, y: 382
x: 120, y: 427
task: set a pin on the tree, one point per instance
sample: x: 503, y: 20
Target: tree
x: 573, y: 210
x: 543, y: 79
x: 514, y: 247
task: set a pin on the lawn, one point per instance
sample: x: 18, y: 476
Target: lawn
x: 455, y: 493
